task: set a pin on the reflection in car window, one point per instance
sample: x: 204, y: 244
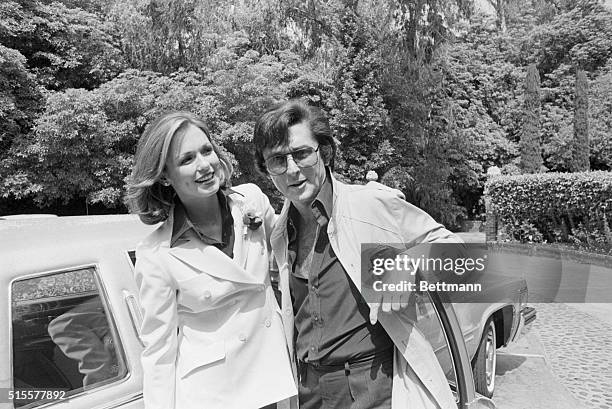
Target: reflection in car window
x: 62, y: 339
x: 429, y: 323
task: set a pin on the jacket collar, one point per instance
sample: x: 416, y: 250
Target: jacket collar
x: 209, y: 259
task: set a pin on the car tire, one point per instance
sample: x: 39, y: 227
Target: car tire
x: 485, y: 361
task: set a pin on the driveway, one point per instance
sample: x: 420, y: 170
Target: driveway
x: 565, y: 361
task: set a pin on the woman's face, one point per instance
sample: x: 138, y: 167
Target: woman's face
x: 193, y: 168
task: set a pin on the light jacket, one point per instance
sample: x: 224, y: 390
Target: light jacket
x: 375, y: 213
x: 211, y: 326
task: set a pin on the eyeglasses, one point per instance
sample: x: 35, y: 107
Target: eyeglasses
x: 303, y: 158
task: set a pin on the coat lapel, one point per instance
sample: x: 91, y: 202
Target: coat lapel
x: 210, y: 259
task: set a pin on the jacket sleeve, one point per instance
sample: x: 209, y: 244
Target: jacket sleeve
x: 82, y: 334
x: 159, y: 331
x: 417, y: 226
x: 426, y: 239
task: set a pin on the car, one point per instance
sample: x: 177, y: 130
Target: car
x: 493, y: 317
x: 70, y: 337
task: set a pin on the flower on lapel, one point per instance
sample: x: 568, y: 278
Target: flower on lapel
x: 252, y: 219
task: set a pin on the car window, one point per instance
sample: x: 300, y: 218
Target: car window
x: 63, y: 340
x: 429, y: 323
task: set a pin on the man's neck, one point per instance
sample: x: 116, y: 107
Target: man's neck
x: 324, y: 196
x: 305, y: 212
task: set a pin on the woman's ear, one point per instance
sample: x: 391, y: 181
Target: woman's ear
x: 163, y: 179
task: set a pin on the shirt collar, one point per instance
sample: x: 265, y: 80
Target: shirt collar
x: 323, y: 203
x: 182, y: 224
x: 321, y: 208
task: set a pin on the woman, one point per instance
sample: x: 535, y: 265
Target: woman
x: 211, y: 328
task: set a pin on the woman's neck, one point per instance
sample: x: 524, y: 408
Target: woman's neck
x: 204, y: 212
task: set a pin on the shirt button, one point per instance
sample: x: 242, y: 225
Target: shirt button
x: 312, y: 349
x: 288, y: 311
x: 242, y: 338
x: 267, y: 323
x: 260, y: 288
x: 206, y: 295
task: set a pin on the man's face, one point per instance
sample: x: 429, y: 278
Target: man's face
x: 300, y: 185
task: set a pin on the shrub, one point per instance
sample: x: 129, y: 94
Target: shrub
x: 555, y: 207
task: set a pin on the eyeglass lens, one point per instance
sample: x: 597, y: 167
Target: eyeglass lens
x: 305, y: 157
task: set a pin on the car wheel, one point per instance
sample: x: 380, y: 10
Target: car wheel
x: 486, y: 361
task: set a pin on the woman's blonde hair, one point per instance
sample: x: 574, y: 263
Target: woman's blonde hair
x: 146, y: 195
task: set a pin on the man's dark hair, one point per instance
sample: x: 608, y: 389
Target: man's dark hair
x: 272, y: 129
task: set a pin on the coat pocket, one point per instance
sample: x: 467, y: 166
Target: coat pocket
x: 193, y: 357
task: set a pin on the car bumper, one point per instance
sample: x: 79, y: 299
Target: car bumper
x: 528, y: 316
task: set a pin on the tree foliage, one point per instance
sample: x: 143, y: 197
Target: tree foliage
x: 20, y: 97
x: 64, y: 47
x: 580, y: 148
x: 427, y: 99
x: 531, y: 157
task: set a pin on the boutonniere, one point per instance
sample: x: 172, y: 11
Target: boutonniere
x: 251, y: 219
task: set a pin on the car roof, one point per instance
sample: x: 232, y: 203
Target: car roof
x: 35, y: 244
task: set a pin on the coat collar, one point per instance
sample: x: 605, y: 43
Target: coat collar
x: 209, y: 259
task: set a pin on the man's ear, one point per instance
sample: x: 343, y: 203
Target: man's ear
x: 326, y: 154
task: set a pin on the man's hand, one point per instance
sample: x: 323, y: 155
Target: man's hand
x: 389, y: 302
x: 385, y: 269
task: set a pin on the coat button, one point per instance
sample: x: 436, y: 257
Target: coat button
x: 267, y: 323
x: 242, y: 338
x: 206, y: 295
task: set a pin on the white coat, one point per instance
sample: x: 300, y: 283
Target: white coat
x: 211, y: 325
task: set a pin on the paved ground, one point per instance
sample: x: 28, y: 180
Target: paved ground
x: 578, y: 349
x: 524, y: 379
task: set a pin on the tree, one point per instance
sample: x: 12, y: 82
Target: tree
x: 600, y: 120
x: 580, y: 149
x: 358, y: 114
x: 168, y: 35
x: 64, y: 47
x: 500, y: 7
x: 531, y: 155
x: 20, y: 98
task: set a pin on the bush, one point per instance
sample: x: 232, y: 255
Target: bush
x: 555, y: 207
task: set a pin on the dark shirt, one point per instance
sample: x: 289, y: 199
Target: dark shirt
x: 331, y: 318
x: 183, y: 227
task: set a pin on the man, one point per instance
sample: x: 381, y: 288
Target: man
x: 344, y: 357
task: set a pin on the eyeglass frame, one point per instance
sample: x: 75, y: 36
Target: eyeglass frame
x: 315, y: 150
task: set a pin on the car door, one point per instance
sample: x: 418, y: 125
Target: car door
x: 73, y: 342
x: 437, y: 319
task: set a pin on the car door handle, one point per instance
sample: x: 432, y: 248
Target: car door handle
x: 135, y: 313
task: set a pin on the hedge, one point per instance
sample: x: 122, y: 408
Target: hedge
x: 554, y: 207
